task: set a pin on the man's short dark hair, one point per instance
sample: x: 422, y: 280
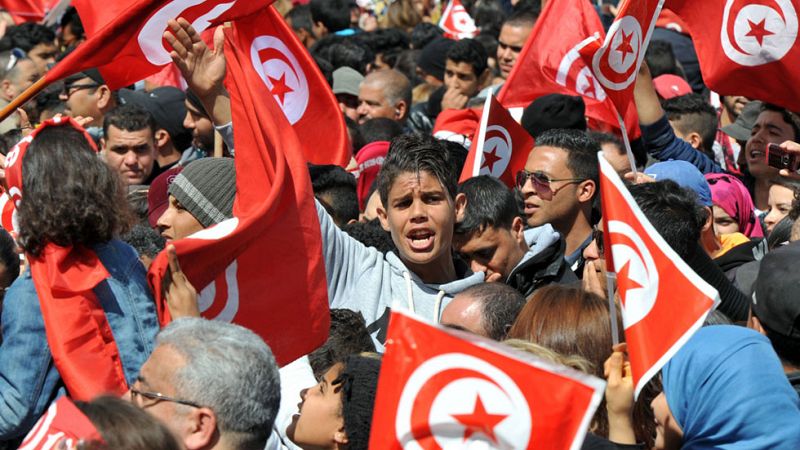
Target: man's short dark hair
x: 145, y: 240
x: 350, y: 53
x: 73, y: 20
x: 348, y: 335
x: 661, y: 59
x: 500, y: 306
x: 416, y: 153
x: 371, y: 234
x: 522, y: 18
x: 300, y: 17
x: 335, y: 188
x: 129, y: 117
x: 489, y: 204
x: 379, y: 129
x: 581, y: 151
x: 675, y: 213
x: 26, y: 36
x: 334, y: 14
x: 471, y: 52
x: 790, y: 117
x: 690, y: 113
x: 9, y: 258
x: 424, y: 33
x: 387, y: 42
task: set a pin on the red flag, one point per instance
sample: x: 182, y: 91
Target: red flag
x: 125, y: 39
x: 747, y: 47
x: 441, y: 388
x: 502, y: 147
x: 295, y: 81
x: 616, y: 63
x: 62, y: 424
x: 457, y: 125
x: 550, y: 63
x: 456, y: 21
x: 269, y: 255
x: 24, y: 10
x: 663, y: 300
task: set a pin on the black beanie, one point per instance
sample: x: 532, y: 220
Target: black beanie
x: 360, y: 383
x: 554, y: 111
x: 433, y: 57
x: 206, y: 189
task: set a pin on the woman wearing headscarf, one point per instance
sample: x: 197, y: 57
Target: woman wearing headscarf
x: 725, y: 389
x: 734, y: 211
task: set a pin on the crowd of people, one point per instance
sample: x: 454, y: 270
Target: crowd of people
x: 114, y: 176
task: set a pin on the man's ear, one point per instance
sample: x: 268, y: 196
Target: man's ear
x: 755, y: 324
x: 161, y: 138
x: 586, y: 191
x: 400, y: 109
x: 695, y: 140
x: 383, y: 217
x: 5, y: 87
x: 483, y: 80
x: 518, y: 229
x: 709, y: 219
x: 201, y: 431
x: 340, y: 437
x: 459, y: 206
x: 103, y: 94
x: 102, y: 144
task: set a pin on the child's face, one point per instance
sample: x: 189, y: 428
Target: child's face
x: 420, y: 214
x: 319, y: 423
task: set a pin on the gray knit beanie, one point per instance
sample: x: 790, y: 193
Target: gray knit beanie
x: 206, y: 189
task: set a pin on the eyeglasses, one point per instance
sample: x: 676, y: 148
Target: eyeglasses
x: 70, y: 89
x: 542, y: 183
x: 14, y: 57
x: 157, y: 397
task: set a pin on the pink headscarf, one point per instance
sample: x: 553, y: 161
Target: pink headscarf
x: 729, y: 193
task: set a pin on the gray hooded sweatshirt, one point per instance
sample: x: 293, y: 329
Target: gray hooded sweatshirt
x: 363, y: 279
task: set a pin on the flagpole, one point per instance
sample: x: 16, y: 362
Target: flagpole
x: 627, y: 142
x: 23, y: 98
x: 611, y: 282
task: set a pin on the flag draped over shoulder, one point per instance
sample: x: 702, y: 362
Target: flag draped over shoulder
x: 440, y: 388
x: 663, y: 300
x: 746, y: 47
x: 551, y: 63
x: 263, y: 268
x: 125, y: 38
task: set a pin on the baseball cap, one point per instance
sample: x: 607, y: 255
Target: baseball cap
x: 686, y: 175
x: 166, y: 104
x: 670, y: 86
x: 346, y: 81
x: 158, y: 194
x: 740, y: 129
x: 775, y: 300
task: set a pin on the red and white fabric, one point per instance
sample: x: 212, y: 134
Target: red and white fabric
x: 456, y: 21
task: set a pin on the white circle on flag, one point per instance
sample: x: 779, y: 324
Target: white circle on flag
x: 497, y: 148
x: 151, y: 38
x: 475, y: 385
x: 758, y: 33
x: 636, y: 302
x: 282, y: 74
x: 229, y: 299
x: 587, y: 86
x: 615, y: 63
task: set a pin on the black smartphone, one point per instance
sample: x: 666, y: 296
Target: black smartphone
x: 781, y: 159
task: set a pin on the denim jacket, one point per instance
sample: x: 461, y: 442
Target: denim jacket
x: 29, y: 380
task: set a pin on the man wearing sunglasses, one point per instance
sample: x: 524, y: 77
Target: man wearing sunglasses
x: 86, y: 94
x: 559, y: 186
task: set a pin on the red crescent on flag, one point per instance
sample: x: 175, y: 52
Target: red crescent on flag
x: 737, y: 6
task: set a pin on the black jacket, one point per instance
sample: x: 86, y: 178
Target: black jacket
x: 545, y: 266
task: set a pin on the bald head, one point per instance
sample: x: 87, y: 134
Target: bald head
x: 384, y: 93
x: 487, y: 309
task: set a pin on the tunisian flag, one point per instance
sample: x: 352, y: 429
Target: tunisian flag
x: 551, y: 63
x: 502, y: 147
x: 125, y: 38
x: 663, y: 300
x: 616, y: 63
x: 293, y: 78
x: 24, y: 10
x: 456, y: 21
x: 269, y: 255
x: 747, y: 47
x: 441, y: 388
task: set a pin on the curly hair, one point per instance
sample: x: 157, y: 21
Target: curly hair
x: 70, y: 196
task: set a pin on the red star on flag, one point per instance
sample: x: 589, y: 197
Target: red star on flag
x: 279, y: 87
x: 490, y: 158
x: 625, y: 46
x: 480, y: 421
x: 759, y: 30
x: 591, y: 89
x: 625, y: 282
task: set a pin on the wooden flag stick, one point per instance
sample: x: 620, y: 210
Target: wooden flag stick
x: 23, y: 98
